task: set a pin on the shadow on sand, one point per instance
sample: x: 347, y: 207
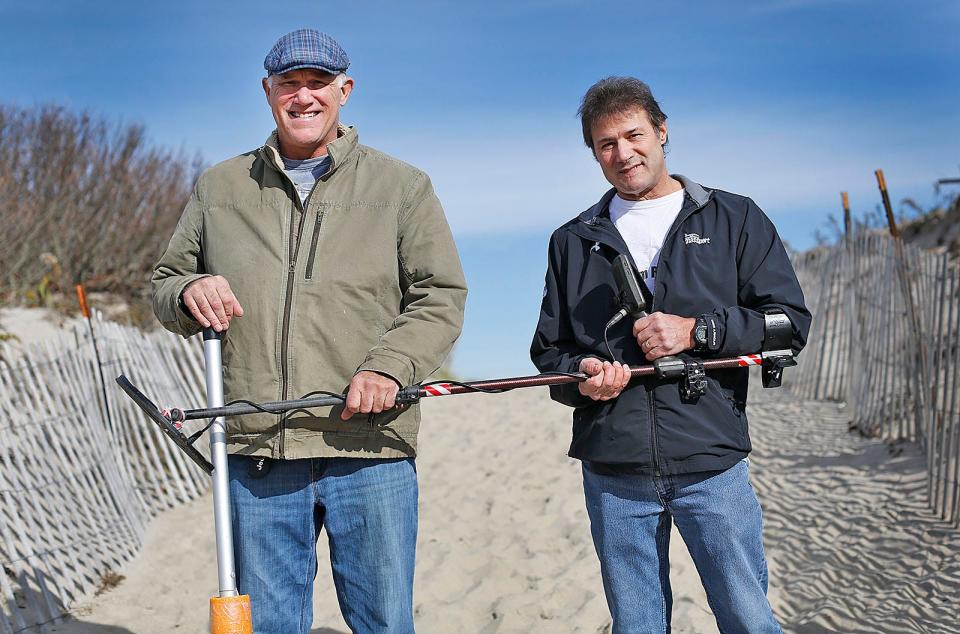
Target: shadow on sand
x: 74, y: 625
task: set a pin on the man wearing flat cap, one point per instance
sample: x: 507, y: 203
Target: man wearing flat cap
x: 349, y: 281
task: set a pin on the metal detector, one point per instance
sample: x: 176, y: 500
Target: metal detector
x: 230, y: 611
x: 775, y: 356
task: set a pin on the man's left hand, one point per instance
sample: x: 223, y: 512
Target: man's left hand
x: 369, y: 393
x: 661, y: 334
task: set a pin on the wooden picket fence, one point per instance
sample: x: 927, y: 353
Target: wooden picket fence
x: 78, y: 487
x: 885, y: 339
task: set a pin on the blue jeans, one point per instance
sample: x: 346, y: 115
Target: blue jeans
x: 369, y: 510
x: 719, y: 518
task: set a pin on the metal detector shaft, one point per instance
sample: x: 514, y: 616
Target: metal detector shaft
x: 272, y: 407
x: 226, y: 570
x: 444, y: 389
x: 414, y: 393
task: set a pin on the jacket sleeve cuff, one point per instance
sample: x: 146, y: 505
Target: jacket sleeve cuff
x: 739, y: 330
x: 394, y: 366
x: 569, y: 393
x: 170, y: 313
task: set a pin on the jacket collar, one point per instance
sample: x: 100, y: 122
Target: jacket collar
x: 694, y: 190
x: 338, y: 149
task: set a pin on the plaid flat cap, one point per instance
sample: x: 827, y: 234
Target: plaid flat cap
x: 306, y: 48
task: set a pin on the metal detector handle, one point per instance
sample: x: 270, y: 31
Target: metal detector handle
x: 635, y: 299
x: 213, y: 364
x: 631, y: 296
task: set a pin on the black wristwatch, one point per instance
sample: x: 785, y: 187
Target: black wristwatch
x: 705, y: 335
x: 700, y: 334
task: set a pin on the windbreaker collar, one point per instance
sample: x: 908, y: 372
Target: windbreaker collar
x: 694, y: 190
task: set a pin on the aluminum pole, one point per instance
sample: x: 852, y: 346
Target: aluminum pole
x: 221, y: 476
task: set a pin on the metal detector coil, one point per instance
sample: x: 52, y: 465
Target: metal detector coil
x: 166, y: 425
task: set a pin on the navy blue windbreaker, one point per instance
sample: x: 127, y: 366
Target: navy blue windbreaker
x: 721, y: 256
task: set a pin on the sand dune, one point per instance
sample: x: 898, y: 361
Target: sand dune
x: 505, y: 546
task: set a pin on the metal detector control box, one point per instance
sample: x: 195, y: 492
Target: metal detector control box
x: 776, y: 353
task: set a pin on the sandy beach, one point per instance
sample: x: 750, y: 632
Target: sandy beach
x: 505, y: 547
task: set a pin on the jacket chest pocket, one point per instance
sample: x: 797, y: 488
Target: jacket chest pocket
x: 314, y: 239
x: 706, y: 272
x: 344, y: 247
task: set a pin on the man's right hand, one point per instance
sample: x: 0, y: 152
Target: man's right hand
x: 606, y: 380
x: 211, y: 302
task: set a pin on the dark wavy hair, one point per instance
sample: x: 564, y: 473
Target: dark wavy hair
x: 612, y: 95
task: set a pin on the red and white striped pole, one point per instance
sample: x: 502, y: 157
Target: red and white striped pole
x: 446, y: 389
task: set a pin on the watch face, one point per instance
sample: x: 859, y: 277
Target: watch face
x: 700, y: 334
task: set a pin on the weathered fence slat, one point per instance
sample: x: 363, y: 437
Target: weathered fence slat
x: 78, y: 490
x: 886, y: 339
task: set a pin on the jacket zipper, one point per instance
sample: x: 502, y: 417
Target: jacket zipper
x: 287, y: 304
x: 313, y: 245
x: 294, y: 249
x: 654, y: 447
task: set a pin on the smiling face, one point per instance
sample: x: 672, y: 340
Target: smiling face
x: 306, y: 106
x: 630, y: 152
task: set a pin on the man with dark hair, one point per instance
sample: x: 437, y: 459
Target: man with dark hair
x: 714, y: 265
x: 350, y: 281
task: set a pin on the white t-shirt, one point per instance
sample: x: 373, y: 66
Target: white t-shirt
x: 644, y: 224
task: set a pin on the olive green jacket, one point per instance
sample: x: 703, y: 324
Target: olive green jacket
x: 365, y: 277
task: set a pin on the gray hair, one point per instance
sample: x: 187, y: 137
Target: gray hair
x: 613, y: 95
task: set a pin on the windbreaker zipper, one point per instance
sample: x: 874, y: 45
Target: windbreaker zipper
x: 654, y: 447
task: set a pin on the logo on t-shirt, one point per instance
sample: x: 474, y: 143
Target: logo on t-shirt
x: 694, y: 238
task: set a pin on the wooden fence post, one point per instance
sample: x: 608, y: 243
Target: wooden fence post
x: 918, y: 374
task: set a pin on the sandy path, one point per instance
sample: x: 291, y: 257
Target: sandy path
x: 853, y: 546
x: 505, y: 546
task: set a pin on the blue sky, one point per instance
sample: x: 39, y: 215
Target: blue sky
x: 789, y: 102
